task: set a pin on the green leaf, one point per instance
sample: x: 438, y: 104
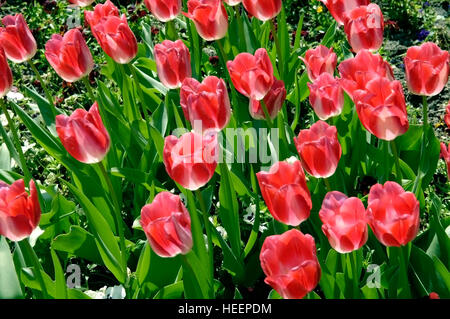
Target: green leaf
x: 9, y: 283
x: 60, y: 280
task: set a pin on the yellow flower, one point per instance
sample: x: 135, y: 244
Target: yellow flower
x: 319, y: 9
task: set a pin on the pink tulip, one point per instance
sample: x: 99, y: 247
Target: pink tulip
x: 164, y: 10
x: 173, y: 63
x: 326, y: 96
x: 273, y: 100
x: 263, y: 10
x: 319, y: 60
x: 210, y: 18
x: 81, y: 3
x: 340, y: 8
x: 445, y: 155
x: 6, y: 78
x: 16, y: 39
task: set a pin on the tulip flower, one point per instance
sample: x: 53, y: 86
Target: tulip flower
x: 445, y: 155
x: 393, y: 214
x: 6, y: 74
x: 83, y: 135
x: 285, y: 192
x: 326, y: 96
x: 263, y: 10
x: 273, y: 100
x: 447, y: 115
x: 19, y: 212
x: 290, y: 263
x: 207, y: 102
x: 340, y: 8
x: 112, y: 32
x: 356, y: 72
x: 210, y: 18
x: 427, y: 69
x: 434, y: 295
x: 319, y: 60
x: 167, y: 225
x: 319, y: 149
x: 164, y: 10
x: 16, y: 39
x: 344, y: 222
x: 191, y: 159
x: 81, y: 3
x: 364, y: 28
x: 233, y: 2
x: 252, y: 75
x: 69, y: 55
x: 173, y: 63
x: 381, y: 108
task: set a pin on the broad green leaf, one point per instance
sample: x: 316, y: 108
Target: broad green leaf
x: 9, y: 283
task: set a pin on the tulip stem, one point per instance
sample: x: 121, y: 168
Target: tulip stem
x: 44, y: 87
x: 140, y: 93
x: 266, y: 114
x: 278, y: 47
x: 89, y: 88
x: 398, y: 172
x: 240, y: 27
x: 418, y: 180
x: 327, y: 184
x: 397, y: 255
x: 354, y: 269
x: 26, y: 247
x: 12, y: 127
x: 425, y: 110
x: 205, y: 214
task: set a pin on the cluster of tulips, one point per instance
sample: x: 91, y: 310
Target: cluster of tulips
x: 288, y: 260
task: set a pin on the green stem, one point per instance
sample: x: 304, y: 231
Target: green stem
x: 135, y: 112
x: 278, y: 47
x: 205, y: 215
x: 355, y: 271
x: 240, y: 27
x: 140, y: 93
x: 89, y: 88
x: 327, y: 184
x: 418, y: 180
x: 12, y: 127
x: 25, y: 246
x: 44, y: 87
x: 402, y: 258
x: 398, y: 172
x: 255, y: 229
x: 266, y: 114
x: 425, y: 110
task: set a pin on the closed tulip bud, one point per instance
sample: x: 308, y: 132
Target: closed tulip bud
x: 207, y: 102
x: 167, y: 225
x: 191, y: 159
x: 364, y: 27
x: 285, y: 192
x: 319, y: 149
x: 164, y: 10
x: 263, y: 10
x: 273, y: 100
x: 445, y: 155
x: 381, y: 108
x: 326, y: 96
x: 83, y: 135
x: 344, y: 222
x: 173, y: 63
x: 356, y: 72
x: 340, y: 8
x: 447, y: 115
x: 233, y: 2
x: 20, y: 212
x: 69, y: 55
x: 427, y: 69
x: 290, y: 264
x: 210, y: 18
x: 252, y: 75
x: 6, y: 78
x: 81, y: 3
x: 393, y: 214
x: 319, y: 60
x: 16, y: 39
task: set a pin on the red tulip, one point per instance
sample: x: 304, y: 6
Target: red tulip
x: 445, y: 154
x: 6, y: 78
x: 173, y: 62
x: 164, y: 10
x: 19, y: 212
x: 16, y: 39
x: 69, y: 55
x: 356, y: 72
x: 83, y: 135
x: 447, y: 115
x: 290, y: 263
x: 319, y: 60
x: 273, y: 100
x: 427, y: 69
x: 319, y: 149
x: 393, y: 214
x: 233, y: 2
x: 112, y: 32
x: 285, y: 192
x: 210, y: 18
x: 81, y: 3
x: 167, y: 225
x: 364, y: 27
x: 434, y: 295
x: 207, y: 102
x: 326, y: 96
x: 191, y: 159
x: 344, y: 222
x: 381, y: 108
x: 263, y: 9
x: 252, y: 75
x: 340, y: 8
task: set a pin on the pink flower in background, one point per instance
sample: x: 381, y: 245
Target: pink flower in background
x: 173, y: 63
x: 6, y: 78
x: 263, y: 10
x: 273, y: 100
x: 326, y: 96
x: 340, y: 8
x: 164, y: 10
x: 16, y: 39
x: 319, y: 60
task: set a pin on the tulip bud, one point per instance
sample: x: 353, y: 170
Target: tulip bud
x: 326, y: 96
x: 207, y: 102
x: 263, y: 10
x: 344, y: 222
x: 167, y: 225
x: 290, y: 263
x: 445, y: 155
x: 319, y: 149
x: 164, y: 10
x: 20, y: 212
x: 81, y: 3
x: 340, y: 8
x: 285, y: 192
x: 252, y: 75
x: 210, y: 18
x: 273, y: 100
x: 173, y: 63
x: 16, y: 39
x: 427, y: 69
x: 393, y: 214
x: 69, y: 55
x: 83, y: 135
x: 6, y: 78
x: 381, y: 108
x: 319, y: 60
